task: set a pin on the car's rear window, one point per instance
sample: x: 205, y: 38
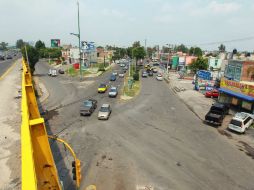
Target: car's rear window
x: 104, y: 109
x: 88, y: 103
x: 236, y: 123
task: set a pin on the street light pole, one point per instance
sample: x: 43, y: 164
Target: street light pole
x: 168, y: 56
x: 80, y: 70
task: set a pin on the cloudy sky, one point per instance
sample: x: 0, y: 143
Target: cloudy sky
x: 118, y: 22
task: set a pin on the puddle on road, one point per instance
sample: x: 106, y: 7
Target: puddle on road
x: 249, y: 150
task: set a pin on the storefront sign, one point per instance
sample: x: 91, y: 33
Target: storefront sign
x: 238, y: 87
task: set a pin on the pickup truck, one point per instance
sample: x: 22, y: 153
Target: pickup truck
x: 217, y: 113
x: 88, y: 107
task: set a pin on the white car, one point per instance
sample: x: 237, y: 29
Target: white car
x: 121, y: 75
x: 159, y: 77
x: 122, y: 65
x: 240, y: 122
x: 112, y: 92
x: 104, y: 112
x: 114, y: 73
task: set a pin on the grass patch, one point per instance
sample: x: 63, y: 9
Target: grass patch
x: 132, y: 91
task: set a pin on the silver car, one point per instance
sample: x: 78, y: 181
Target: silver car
x: 104, y: 112
x: 112, y: 92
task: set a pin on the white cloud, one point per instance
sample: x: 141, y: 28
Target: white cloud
x: 224, y: 7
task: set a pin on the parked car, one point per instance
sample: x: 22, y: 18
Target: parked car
x: 60, y: 71
x: 212, y: 93
x: 217, y: 113
x: 122, y: 65
x: 104, y: 112
x: 102, y: 88
x: 112, y: 77
x: 144, y: 74
x: 112, y: 92
x: 88, y: 107
x: 2, y: 57
x: 159, y: 77
x: 240, y: 122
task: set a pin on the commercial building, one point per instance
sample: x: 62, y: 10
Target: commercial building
x: 237, y: 85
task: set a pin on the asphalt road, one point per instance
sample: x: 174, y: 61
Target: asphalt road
x: 5, y: 64
x: 153, y: 140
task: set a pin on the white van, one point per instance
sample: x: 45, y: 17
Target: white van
x: 240, y: 122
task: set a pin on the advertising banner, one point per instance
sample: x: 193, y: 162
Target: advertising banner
x: 55, y: 43
x: 238, y: 87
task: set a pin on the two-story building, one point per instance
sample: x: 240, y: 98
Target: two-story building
x: 237, y: 85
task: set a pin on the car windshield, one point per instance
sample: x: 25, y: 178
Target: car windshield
x: 104, y: 109
x: 88, y: 103
x: 102, y: 86
x: 112, y: 90
x: 236, y: 123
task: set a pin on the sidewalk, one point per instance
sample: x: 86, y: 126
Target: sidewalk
x: 194, y: 100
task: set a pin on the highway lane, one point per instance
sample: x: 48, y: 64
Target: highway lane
x: 151, y: 140
x: 6, y: 64
x: 68, y: 93
x: 155, y: 140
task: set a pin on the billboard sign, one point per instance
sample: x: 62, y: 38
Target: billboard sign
x: 238, y: 87
x: 87, y: 45
x: 55, y: 43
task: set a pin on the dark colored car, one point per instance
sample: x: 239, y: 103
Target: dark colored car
x: 1, y: 57
x: 217, y: 113
x: 112, y: 78
x: 60, y: 71
x: 88, y: 107
x: 9, y: 57
x: 150, y: 73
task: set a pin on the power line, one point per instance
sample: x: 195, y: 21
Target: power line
x: 223, y: 42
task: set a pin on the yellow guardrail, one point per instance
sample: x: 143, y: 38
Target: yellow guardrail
x: 38, y: 167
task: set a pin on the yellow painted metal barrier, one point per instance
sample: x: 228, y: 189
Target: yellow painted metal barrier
x: 38, y: 167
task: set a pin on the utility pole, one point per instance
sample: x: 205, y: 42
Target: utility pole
x: 80, y: 70
x: 168, y: 57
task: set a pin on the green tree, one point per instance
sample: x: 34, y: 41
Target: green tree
x: 33, y: 56
x: 222, y: 48
x: 136, y: 44
x: 40, y: 45
x: 181, y: 48
x: 195, y: 51
x: 199, y: 64
x: 20, y: 43
x: 3, y: 46
x: 139, y: 53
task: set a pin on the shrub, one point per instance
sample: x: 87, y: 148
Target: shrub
x: 101, y: 68
x: 136, y: 76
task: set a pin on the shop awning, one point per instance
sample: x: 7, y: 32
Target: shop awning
x: 237, y: 95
